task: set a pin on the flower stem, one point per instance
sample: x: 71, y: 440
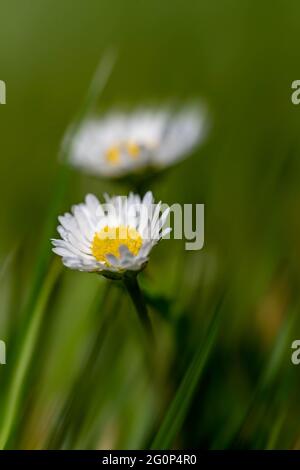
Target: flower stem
x: 133, y: 288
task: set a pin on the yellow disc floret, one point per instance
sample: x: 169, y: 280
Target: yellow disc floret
x: 133, y: 149
x: 109, y: 239
x: 113, y: 155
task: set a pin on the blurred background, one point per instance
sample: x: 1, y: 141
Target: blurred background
x: 224, y: 317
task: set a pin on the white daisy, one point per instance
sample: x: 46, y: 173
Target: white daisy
x: 119, y: 144
x: 111, y: 238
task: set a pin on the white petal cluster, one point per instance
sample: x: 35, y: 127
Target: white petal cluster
x: 122, y: 143
x: 79, y: 228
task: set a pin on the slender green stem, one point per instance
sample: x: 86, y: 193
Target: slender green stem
x: 133, y: 288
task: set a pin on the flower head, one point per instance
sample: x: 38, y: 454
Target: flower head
x: 111, y: 238
x: 119, y: 144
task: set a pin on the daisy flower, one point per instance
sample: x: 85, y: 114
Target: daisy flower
x: 119, y: 144
x: 112, y: 238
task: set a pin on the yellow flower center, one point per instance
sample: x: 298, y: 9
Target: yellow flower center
x: 113, y: 155
x: 133, y: 149
x: 109, y: 239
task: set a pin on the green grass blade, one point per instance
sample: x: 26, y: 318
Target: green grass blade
x: 97, y: 86
x: 25, y: 356
x: 269, y: 373
x: 179, y: 407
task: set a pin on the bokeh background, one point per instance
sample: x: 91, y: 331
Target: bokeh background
x: 224, y: 317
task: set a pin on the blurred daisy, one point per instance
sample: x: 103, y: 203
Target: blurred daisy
x: 119, y: 144
x: 110, y: 238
